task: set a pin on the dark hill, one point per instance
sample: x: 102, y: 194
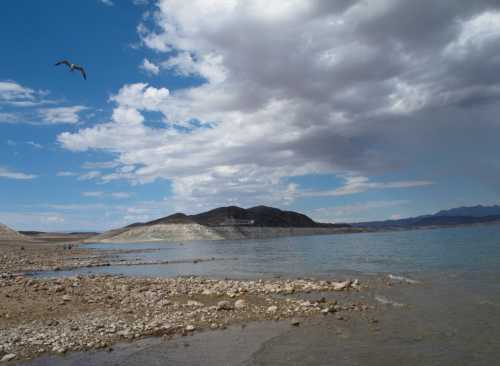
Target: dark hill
x: 261, y: 216
x: 177, y: 218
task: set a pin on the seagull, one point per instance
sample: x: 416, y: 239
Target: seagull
x: 72, y: 67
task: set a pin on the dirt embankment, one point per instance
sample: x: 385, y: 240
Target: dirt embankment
x: 193, y: 231
x: 7, y: 233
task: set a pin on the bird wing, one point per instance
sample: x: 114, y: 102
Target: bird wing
x: 81, y: 69
x: 63, y: 62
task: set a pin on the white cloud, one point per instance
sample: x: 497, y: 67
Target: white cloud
x: 120, y: 195
x: 90, y: 175
x: 100, y: 165
x: 359, y: 184
x: 293, y: 88
x: 107, y: 2
x: 11, y: 91
x: 475, y: 34
x: 66, y: 174
x: 34, y: 144
x: 8, y: 117
x: 116, y: 195
x: 93, y: 194
x: 14, y: 94
x: 8, y: 174
x: 149, y: 67
x: 61, y: 114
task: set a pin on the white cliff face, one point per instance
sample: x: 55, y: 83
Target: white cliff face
x: 193, y: 231
x: 161, y: 232
x: 7, y: 233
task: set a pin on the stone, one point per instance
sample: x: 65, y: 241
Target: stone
x: 224, y: 305
x: 66, y: 298
x: 240, y: 304
x: 295, y: 322
x: 190, y: 328
x: 8, y: 357
x: 272, y: 309
x: 339, y: 286
x: 194, y: 303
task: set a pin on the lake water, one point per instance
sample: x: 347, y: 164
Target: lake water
x: 451, y: 317
x: 463, y: 249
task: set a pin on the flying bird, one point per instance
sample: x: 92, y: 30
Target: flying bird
x: 72, y: 67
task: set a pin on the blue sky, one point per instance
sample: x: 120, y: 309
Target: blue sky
x: 344, y: 111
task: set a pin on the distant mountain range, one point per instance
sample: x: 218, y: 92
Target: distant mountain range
x: 452, y: 217
x: 259, y: 216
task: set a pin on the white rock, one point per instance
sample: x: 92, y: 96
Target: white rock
x: 190, y: 328
x: 339, y: 286
x: 272, y: 309
x: 240, y: 304
x: 8, y: 357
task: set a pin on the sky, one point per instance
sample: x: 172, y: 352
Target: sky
x: 345, y: 110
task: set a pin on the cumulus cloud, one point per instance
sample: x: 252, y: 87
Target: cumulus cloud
x: 8, y: 174
x: 353, y: 88
x: 149, y: 67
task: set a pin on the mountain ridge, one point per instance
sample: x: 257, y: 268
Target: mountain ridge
x: 257, y: 216
x: 465, y: 215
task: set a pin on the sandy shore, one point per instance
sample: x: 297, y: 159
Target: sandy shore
x: 56, y: 315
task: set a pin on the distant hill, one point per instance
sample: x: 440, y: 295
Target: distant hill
x: 259, y: 216
x: 223, y: 223
x: 452, y: 217
x: 474, y: 211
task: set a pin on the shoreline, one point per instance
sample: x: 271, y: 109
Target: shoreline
x: 82, y: 313
x: 43, y: 316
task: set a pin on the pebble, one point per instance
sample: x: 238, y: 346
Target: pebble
x: 113, y: 308
x: 240, y: 304
x: 224, y: 305
x: 272, y: 309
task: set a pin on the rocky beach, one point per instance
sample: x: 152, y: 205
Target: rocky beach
x: 42, y: 315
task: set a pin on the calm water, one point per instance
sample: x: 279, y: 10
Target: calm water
x: 465, y: 249
x: 452, y: 317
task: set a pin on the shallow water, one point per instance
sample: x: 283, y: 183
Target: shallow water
x: 456, y: 249
x: 450, y: 316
